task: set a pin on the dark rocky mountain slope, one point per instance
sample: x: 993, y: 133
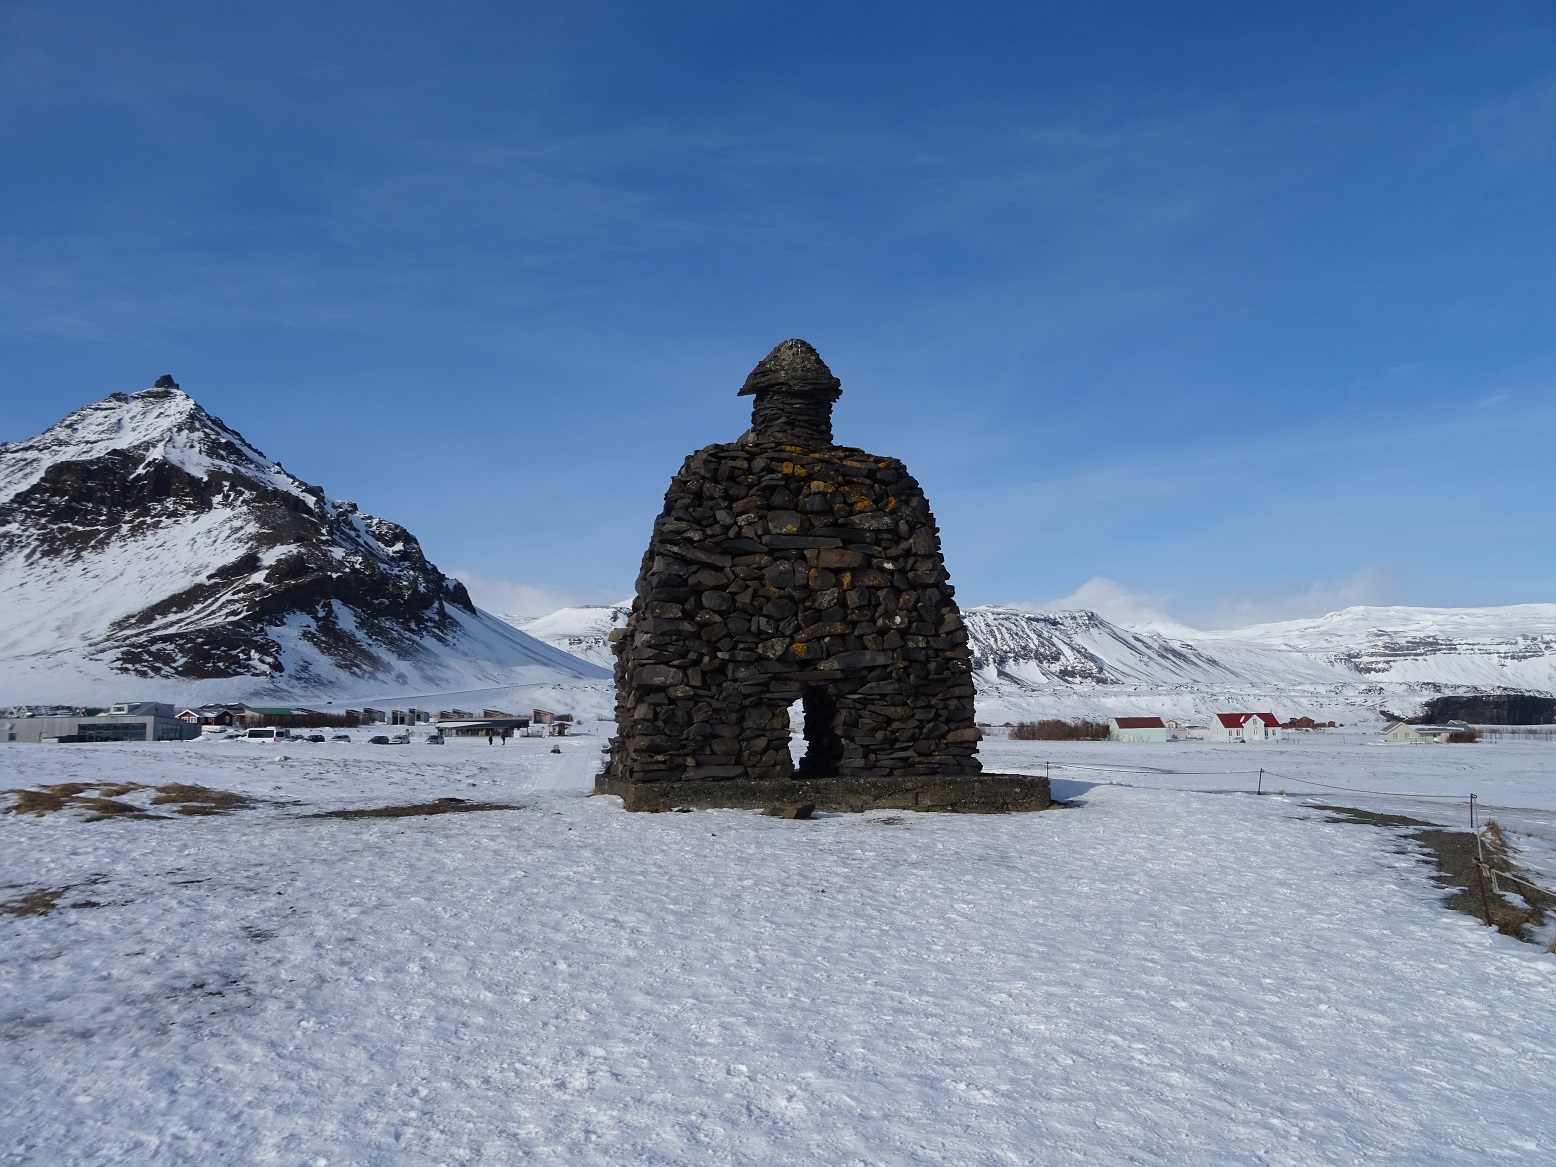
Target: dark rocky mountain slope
x: 143, y: 538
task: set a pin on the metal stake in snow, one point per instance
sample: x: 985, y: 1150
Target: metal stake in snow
x: 1261, y: 780
x: 1480, y: 870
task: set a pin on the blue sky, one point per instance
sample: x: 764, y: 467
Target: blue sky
x: 1235, y: 311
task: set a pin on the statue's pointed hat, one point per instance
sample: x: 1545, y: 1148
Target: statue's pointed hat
x: 794, y: 365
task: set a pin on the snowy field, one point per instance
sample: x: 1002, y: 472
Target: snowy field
x: 1168, y: 972
x: 1511, y: 775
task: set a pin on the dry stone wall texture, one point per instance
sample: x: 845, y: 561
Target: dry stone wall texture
x: 784, y: 568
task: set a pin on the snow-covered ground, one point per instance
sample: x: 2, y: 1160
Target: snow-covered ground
x: 1435, y: 780
x: 1514, y: 782
x: 1159, y: 975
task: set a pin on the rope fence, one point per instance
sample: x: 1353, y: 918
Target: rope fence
x: 1259, y: 776
x: 1481, y: 867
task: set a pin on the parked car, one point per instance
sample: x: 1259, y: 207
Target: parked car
x: 378, y: 739
x: 400, y: 739
x: 341, y: 737
x: 316, y: 737
x: 268, y: 734
x: 433, y: 739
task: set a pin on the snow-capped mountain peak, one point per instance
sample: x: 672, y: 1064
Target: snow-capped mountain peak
x: 143, y: 536
x: 160, y: 425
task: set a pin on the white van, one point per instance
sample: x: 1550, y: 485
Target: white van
x: 268, y: 734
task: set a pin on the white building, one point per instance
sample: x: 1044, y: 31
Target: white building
x: 1244, y: 727
x: 1419, y: 734
x: 1137, y: 729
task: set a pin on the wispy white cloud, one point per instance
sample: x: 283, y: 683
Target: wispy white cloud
x: 1297, y: 601
x: 1113, y: 601
x: 1164, y: 613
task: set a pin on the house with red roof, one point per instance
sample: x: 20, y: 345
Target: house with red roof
x: 1244, y: 727
x: 1137, y: 729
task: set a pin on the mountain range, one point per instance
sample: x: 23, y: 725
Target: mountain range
x: 1348, y: 665
x: 148, y: 550
x: 1357, y: 663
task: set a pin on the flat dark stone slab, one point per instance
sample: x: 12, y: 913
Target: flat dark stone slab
x: 983, y: 794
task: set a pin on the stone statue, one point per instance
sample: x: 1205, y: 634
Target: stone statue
x: 787, y: 569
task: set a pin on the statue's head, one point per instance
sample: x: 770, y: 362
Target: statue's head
x: 794, y: 393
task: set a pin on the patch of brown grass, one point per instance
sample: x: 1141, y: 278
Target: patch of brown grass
x: 1495, y: 841
x: 47, y: 799
x: 199, y: 799
x: 101, y: 800
x: 441, y: 806
x: 39, y: 902
x: 1456, y: 855
x: 99, y: 809
x: 36, y: 802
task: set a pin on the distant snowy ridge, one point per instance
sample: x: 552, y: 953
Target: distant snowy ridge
x: 147, y: 548
x: 583, y: 631
x: 1350, y: 663
x: 1346, y: 666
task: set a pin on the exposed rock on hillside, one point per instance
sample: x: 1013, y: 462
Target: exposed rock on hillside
x: 142, y: 537
x: 1346, y: 664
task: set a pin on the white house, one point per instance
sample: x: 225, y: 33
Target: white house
x: 1244, y: 727
x: 1417, y: 734
x: 1137, y: 729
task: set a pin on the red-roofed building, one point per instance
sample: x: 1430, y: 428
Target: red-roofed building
x: 1245, y: 727
x: 1137, y: 729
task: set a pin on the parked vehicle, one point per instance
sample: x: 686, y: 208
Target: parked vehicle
x: 341, y: 737
x: 378, y: 739
x: 316, y: 737
x: 433, y: 739
x: 268, y: 733
x: 400, y: 739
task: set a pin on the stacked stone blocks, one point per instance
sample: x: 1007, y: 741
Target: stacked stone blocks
x: 784, y: 568
x: 778, y: 574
